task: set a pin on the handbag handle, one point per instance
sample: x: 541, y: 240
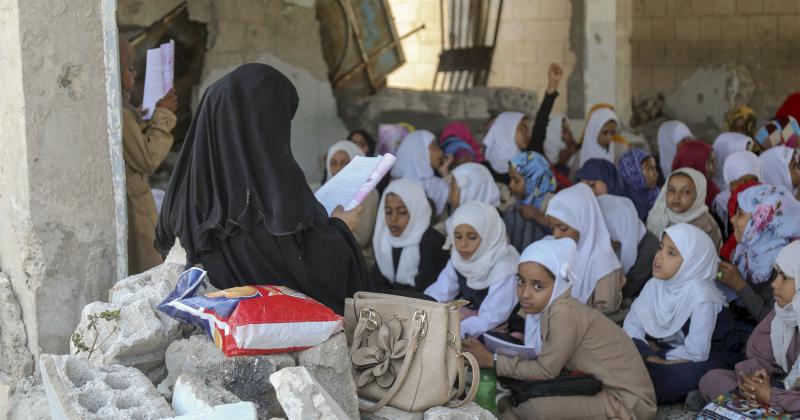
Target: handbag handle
x: 417, y: 327
x: 476, y: 379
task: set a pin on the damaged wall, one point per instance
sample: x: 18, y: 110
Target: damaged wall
x: 281, y: 33
x: 673, y: 38
x: 533, y: 33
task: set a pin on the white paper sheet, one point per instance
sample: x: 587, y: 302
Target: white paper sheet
x: 354, y: 182
x: 158, y: 76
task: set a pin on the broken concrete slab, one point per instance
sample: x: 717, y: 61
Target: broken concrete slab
x: 708, y: 94
x: 242, y: 410
x: 247, y: 377
x: 139, y: 339
x: 302, y: 397
x: 329, y: 364
x: 391, y: 413
x: 469, y: 411
x: 17, y: 361
x: 77, y: 390
x: 27, y: 400
x: 195, y: 394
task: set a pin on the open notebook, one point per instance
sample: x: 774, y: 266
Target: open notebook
x: 505, y: 345
x: 159, y: 75
x: 354, y: 182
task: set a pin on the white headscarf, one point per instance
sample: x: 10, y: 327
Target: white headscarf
x: 669, y: 135
x: 413, y: 158
x: 739, y: 164
x: 577, y: 207
x: 590, y: 148
x: 775, y: 166
x: 558, y: 256
x: 785, y: 323
x: 476, y: 184
x: 495, y: 259
x: 346, y: 146
x: 664, y: 306
x: 724, y: 145
x: 419, y: 211
x: 500, y: 140
x: 552, y: 138
x: 623, y: 225
x: 662, y: 216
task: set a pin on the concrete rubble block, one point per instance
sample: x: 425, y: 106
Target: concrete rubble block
x: 329, y: 364
x: 242, y: 410
x: 247, y: 377
x: 391, y: 413
x: 195, y: 394
x: 16, y: 361
x: 76, y: 389
x: 139, y: 339
x: 469, y: 411
x: 708, y: 94
x: 302, y: 397
x: 27, y: 400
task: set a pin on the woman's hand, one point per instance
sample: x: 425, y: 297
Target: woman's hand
x: 730, y: 276
x: 169, y: 101
x: 350, y: 218
x: 654, y: 346
x: 444, y: 169
x: 756, y: 386
x: 484, y: 357
x: 554, y: 75
x: 530, y: 212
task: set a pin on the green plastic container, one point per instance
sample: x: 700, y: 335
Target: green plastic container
x: 487, y: 390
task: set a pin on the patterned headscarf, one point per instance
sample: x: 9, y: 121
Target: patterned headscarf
x: 773, y: 224
x: 630, y: 168
x: 458, y: 148
x: 784, y: 130
x: 745, y: 113
x: 462, y: 131
x: 539, y: 179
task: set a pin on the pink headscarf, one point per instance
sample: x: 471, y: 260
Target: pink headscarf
x: 462, y: 131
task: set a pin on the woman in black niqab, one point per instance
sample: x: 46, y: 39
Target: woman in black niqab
x: 240, y: 204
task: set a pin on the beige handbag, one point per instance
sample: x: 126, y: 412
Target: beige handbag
x: 406, y: 352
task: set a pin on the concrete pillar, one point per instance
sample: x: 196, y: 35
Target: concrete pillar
x: 624, y: 67
x: 62, y: 209
x: 600, y: 70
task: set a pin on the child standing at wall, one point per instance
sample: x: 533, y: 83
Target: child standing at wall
x: 145, y: 144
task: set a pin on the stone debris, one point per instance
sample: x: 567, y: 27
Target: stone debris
x: 302, y: 397
x: 27, y: 400
x: 469, y: 411
x: 329, y: 364
x: 194, y: 394
x: 391, y: 413
x: 236, y: 411
x: 247, y: 377
x: 77, y: 390
x: 16, y: 361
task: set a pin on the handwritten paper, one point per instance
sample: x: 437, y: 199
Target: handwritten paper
x: 354, y: 182
x: 159, y: 75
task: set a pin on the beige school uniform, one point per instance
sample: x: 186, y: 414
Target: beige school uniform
x: 607, y: 296
x: 145, y: 145
x: 366, y: 226
x: 707, y: 224
x: 577, y: 337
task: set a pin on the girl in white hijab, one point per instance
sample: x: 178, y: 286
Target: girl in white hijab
x: 725, y: 145
x: 417, y: 156
x: 635, y: 246
x: 482, y: 268
x: 673, y: 206
x: 597, y: 136
x: 681, y: 291
x: 670, y: 135
x: 777, y: 164
x: 503, y: 142
x: 406, y: 255
x: 737, y: 165
x: 569, y: 335
x: 773, y: 349
x: 339, y: 155
x: 574, y: 213
x: 473, y: 182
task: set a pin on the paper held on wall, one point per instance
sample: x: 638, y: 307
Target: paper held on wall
x: 159, y: 75
x: 354, y: 182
